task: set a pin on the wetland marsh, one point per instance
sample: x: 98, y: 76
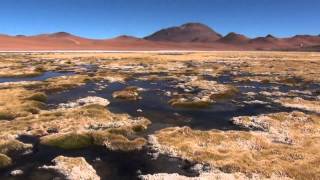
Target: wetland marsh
x: 156, y: 115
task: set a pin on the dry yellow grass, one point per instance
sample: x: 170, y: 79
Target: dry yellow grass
x: 213, y: 55
x: 283, y: 66
x: 286, y: 144
x: 16, y: 102
x: 64, y: 82
x: 309, y: 105
x: 77, y: 128
x: 246, y: 152
x: 231, y: 151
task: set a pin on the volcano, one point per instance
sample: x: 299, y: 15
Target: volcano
x: 190, y: 32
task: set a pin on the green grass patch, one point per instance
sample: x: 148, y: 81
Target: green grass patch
x: 139, y: 128
x: 5, y: 161
x: 13, y: 146
x: 189, y: 104
x: 41, y: 97
x: 6, y: 115
x: 68, y: 141
x: 117, y: 141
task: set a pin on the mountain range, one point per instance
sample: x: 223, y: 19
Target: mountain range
x: 189, y: 36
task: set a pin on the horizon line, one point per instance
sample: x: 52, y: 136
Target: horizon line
x: 142, y: 37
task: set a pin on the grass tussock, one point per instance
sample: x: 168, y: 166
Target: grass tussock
x: 64, y: 82
x: 93, y: 111
x: 41, y: 97
x: 19, y: 102
x: 176, y: 102
x: 246, y: 152
x: 139, y: 127
x: 101, y: 138
x: 5, y: 115
x: 20, y: 72
x: 228, y: 93
x: 117, y: 142
x: 68, y: 141
x: 5, y: 161
x: 12, y: 147
x: 129, y: 93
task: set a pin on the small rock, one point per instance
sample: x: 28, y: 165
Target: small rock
x: 16, y: 172
x: 73, y: 168
x: 139, y: 172
x: 168, y: 93
x: 86, y: 101
x: 255, y: 102
x: 251, y: 93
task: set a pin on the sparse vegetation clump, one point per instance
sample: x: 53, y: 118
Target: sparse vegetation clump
x: 79, y: 140
x: 18, y: 102
x: 111, y: 76
x: 228, y: 93
x: 41, y: 97
x: 189, y: 103
x: 19, y: 72
x: 68, y: 140
x: 299, y: 103
x: 207, y: 93
x: 5, y: 161
x: 89, y: 125
x: 6, y: 115
x: 64, y: 82
x: 281, y: 145
x: 13, y: 147
x: 129, y: 93
x: 277, y: 137
x: 117, y: 142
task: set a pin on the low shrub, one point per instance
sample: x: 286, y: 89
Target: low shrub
x: 68, y: 141
x: 6, y: 115
x: 5, y: 161
x: 41, y: 97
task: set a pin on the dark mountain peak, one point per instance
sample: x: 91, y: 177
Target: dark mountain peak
x: 232, y: 34
x: 125, y: 37
x: 269, y: 36
x: 189, y: 32
x: 233, y: 37
x: 195, y: 25
x: 20, y: 35
x: 55, y: 35
x: 267, y: 39
x: 60, y: 34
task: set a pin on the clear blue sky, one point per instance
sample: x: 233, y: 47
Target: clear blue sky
x: 109, y: 18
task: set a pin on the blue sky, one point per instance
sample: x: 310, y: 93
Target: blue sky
x: 110, y: 18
